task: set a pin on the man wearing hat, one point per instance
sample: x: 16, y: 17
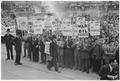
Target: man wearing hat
x: 9, y: 43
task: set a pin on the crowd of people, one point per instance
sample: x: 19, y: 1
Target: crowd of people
x: 83, y: 54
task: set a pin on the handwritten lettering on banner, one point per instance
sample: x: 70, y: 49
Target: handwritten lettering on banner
x: 22, y: 23
x: 80, y: 20
x: 94, y: 28
x: 75, y: 31
x: 38, y: 30
x: 48, y: 25
x: 67, y: 30
x: 83, y: 30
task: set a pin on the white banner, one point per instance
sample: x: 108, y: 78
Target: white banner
x: 38, y: 26
x: 83, y: 30
x: 94, y: 28
x: 80, y: 20
x: 75, y: 31
x: 47, y: 47
x: 67, y: 31
x: 22, y: 23
x: 38, y: 30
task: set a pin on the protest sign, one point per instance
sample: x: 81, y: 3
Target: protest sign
x: 67, y: 31
x: 38, y: 30
x: 75, y: 31
x: 94, y: 28
x: 47, y: 46
x: 38, y: 26
x: 83, y: 30
x: 22, y: 23
x: 80, y: 20
x: 48, y: 25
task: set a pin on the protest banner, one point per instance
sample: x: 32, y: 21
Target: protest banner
x: 75, y: 31
x: 56, y: 26
x: 22, y: 23
x: 48, y: 25
x: 47, y: 46
x: 67, y: 30
x: 83, y: 30
x: 94, y: 28
x: 38, y: 26
x: 38, y: 30
x: 80, y: 20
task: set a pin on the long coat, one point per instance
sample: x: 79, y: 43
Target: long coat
x: 53, y: 49
x: 42, y: 47
x: 69, y: 55
x: 97, y: 51
x: 85, y: 52
x: 9, y: 40
x: 18, y: 44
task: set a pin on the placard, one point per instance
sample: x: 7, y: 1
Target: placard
x: 38, y: 30
x: 22, y: 23
x: 80, y: 20
x: 47, y: 47
x: 94, y: 28
x: 75, y: 31
x: 67, y: 31
x: 83, y: 30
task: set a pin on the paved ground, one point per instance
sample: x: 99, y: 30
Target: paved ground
x: 37, y: 71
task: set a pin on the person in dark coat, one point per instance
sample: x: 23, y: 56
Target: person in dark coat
x: 35, y: 49
x: 76, y: 54
x: 9, y: 44
x: 18, y: 48
x: 61, y: 52
x: 109, y: 71
x: 85, y: 55
x: 29, y: 41
x: 42, y: 50
x: 97, y: 57
x: 54, y: 55
x: 69, y: 54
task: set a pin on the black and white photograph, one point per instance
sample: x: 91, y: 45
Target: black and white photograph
x: 60, y: 40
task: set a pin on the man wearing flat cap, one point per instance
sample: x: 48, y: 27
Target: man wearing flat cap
x: 9, y: 43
